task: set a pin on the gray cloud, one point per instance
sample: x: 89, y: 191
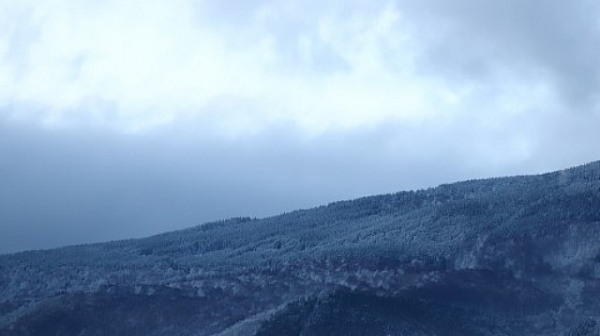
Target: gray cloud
x: 79, y: 185
x: 557, y: 38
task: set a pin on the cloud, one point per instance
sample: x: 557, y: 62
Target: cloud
x: 121, y: 119
x: 78, y: 185
x: 319, y: 66
x: 473, y: 39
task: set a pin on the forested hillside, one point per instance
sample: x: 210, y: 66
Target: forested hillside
x: 503, y: 256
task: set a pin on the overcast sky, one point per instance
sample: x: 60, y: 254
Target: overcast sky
x: 124, y: 119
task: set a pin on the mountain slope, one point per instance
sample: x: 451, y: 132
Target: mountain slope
x: 504, y: 256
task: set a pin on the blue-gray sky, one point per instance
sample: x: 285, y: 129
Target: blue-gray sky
x: 127, y: 118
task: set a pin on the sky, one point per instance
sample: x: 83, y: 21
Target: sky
x: 122, y: 119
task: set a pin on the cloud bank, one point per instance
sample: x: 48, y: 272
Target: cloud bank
x: 122, y: 119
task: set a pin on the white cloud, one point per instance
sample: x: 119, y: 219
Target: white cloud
x: 153, y: 62
x: 236, y: 68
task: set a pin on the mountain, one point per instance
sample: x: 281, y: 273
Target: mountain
x: 503, y: 256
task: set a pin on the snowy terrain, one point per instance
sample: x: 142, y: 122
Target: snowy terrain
x: 504, y: 256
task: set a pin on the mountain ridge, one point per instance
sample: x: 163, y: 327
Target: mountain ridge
x: 532, y: 238
x: 593, y: 165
